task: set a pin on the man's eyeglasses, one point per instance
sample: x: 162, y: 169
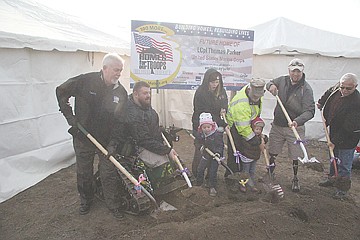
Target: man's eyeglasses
x: 297, y: 64
x: 347, y: 88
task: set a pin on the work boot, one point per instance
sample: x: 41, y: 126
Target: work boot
x: 117, y: 213
x: 84, y: 209
x: 328, y: 182
x: 295, y: 187
x: 212, y: 192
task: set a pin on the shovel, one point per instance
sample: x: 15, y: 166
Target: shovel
x: 121, y: 168
x: 177, y: 160
x: 275, y: 190
x: 334, y: 160
x: 235, y: 176
x: 298, y: 139
x: 236, y: 153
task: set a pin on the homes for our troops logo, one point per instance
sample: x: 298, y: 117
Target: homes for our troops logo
x: 155, y: 57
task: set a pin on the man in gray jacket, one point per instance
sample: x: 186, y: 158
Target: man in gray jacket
x: 297, y: 97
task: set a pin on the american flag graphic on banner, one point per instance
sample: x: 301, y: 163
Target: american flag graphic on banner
x: 143, y: 43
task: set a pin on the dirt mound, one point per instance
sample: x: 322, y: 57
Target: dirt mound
x: 49, y: 210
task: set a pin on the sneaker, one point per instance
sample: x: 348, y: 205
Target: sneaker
x: 84, y: 209
x: 328, y: 182
x: 295, y: 187
x: 117, y: 213
x: 212, y: 192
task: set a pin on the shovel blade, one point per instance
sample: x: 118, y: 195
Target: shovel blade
x: 306, y: 160
x: 162, y: 209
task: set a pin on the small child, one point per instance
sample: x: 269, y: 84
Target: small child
x: 251, y: 153
x: 212, y: 139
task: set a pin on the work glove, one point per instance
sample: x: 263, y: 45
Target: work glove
x: 111, y: 151
x: 265, y: 137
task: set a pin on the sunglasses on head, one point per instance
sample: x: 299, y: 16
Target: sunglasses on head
x: 297, y: 64
x: 347, y: 88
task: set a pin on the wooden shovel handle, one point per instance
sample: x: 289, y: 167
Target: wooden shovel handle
x: 227, y: 129
x: 331, y: 150
x: 288, y: 117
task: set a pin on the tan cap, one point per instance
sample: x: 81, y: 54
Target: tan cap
x: 296, y: 63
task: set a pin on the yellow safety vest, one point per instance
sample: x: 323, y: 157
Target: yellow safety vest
x: 241, y: 113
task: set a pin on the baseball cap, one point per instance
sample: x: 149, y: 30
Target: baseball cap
x: 296, y: 63
x: 257, y: 87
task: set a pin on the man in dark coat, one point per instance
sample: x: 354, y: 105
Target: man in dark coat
x: 341, y: 110
x: 99, y: 97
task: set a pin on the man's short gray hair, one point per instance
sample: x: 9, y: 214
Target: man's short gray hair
x: 349, y: 77
x: 111, y: 58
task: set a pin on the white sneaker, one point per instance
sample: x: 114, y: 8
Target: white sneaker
x: 212, y: 192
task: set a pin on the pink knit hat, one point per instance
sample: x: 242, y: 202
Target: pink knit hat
x: 206, y: 118
x: 258, y: 122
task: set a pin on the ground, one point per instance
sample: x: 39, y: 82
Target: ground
x: 49, y: 210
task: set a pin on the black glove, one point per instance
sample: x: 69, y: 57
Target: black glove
x: 266, y: 138
x: 111, y: 151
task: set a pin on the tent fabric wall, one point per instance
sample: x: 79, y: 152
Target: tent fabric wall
x: 34, y: 141
x: 40, y: 49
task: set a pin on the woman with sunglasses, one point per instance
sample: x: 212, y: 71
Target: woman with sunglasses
x: 341, y: 110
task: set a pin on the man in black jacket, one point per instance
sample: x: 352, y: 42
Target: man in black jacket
x: 140, y: 123
x: 341, y: 110
x: 99, y: 97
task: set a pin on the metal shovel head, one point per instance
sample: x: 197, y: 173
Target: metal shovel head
x: 313, y: 164
x: 164, y: 206
x: 274, y: 193
x: 160, y: 212
x: 306, y: 160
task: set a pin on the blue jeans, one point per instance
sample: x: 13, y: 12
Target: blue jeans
x: 212, y: 166
x: 250, y: 168
x: 346, y: 157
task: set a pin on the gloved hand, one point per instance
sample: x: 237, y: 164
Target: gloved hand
x: 265, y: 137
x: 216, y: 155
x: 111, y: 151
x: 202, y: 149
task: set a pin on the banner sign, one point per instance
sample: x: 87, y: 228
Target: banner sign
x: 176, y: 56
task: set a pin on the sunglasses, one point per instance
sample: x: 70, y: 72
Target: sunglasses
x: 297, y: 64
x: 347, y: 88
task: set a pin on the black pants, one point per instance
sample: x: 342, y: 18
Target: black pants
x: 85, y: 153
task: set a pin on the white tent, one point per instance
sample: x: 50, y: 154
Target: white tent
x: 41, y: 48
x: 327, y: 57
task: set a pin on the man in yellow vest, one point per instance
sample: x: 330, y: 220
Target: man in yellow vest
x: 243, y: 108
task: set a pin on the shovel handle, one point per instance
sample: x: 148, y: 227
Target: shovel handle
x: 297, y: 136
x: 218, y: 160
x: 116, y: 163
x: 231, y: 139
x: 331, y: 150
x: 288, y: 117
x: 177, y: 160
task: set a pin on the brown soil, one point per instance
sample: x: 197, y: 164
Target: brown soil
x: 49, y: 210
